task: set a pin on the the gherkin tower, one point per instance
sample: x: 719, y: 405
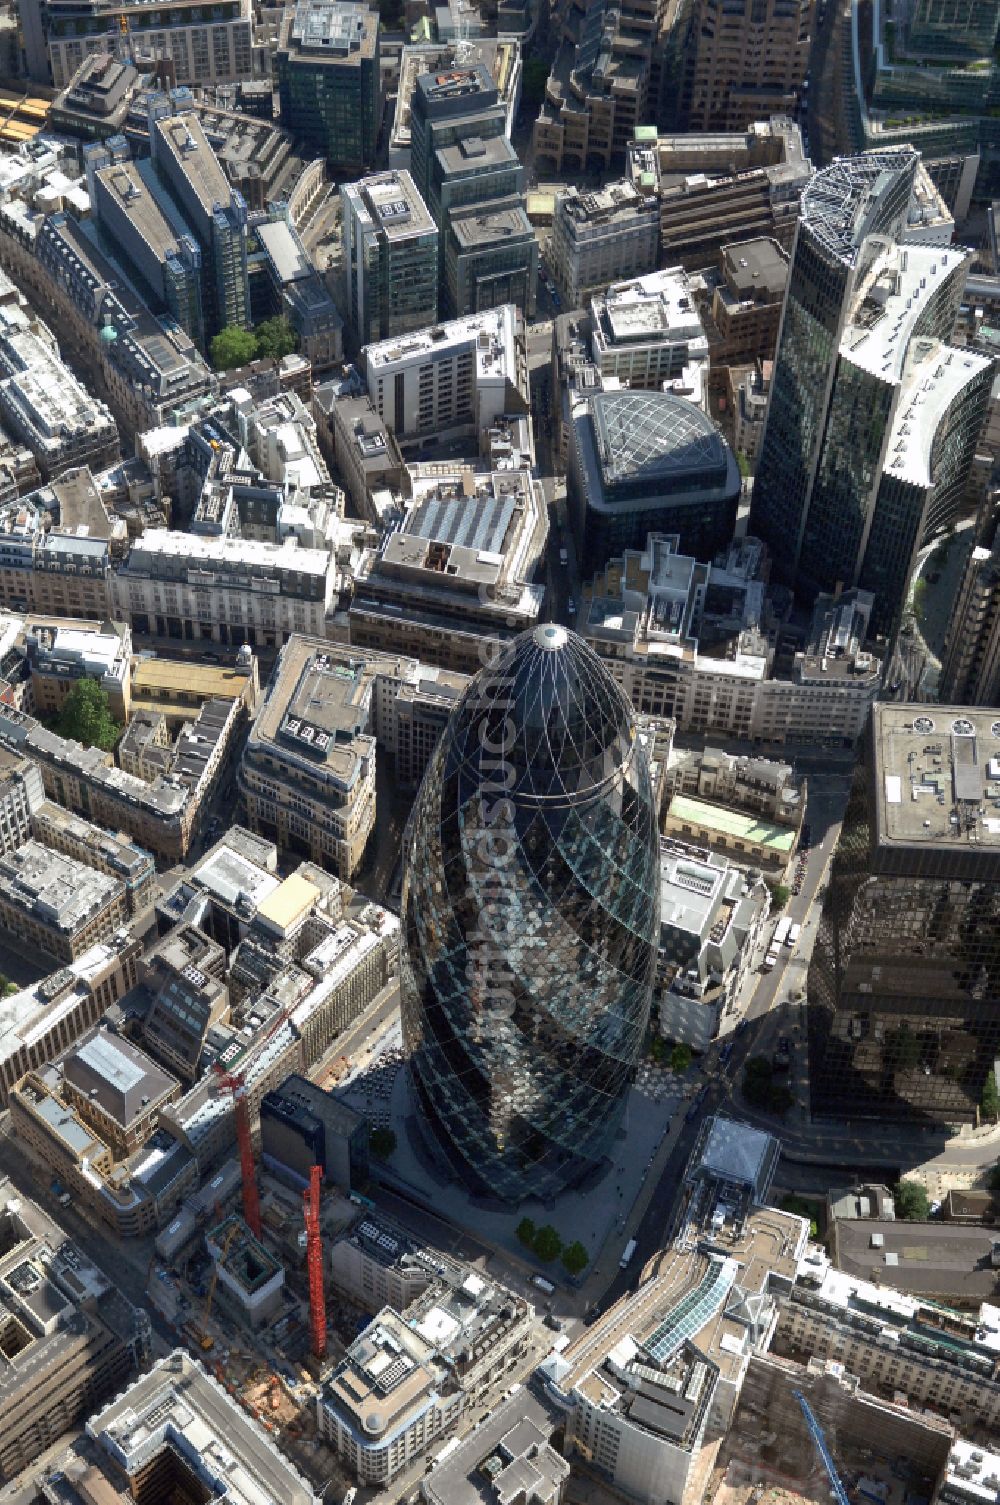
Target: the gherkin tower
x: 530, y: 917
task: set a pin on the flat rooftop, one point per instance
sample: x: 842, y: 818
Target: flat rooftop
x: 756, y: 267
x: 944, y: 1260
x: 734, y: 823
x: 122, y: 1079
x: 335, y: 31
x: 937, y: 776
x: 186, y: 142
x: 317, y: 708
x: 124, y: 185
x: 393, y: 205
x: 177, y: 1404
x: 57, y: 891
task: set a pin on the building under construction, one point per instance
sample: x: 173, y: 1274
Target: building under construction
x: 246, y: 1279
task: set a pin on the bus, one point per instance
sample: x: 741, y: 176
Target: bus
x: 627, y: 1253
x: 793, y: 935
x: 781, y: 930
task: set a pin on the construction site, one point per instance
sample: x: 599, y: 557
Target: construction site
x: 806, y: 1435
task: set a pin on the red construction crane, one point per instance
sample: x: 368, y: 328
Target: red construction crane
x: 251, y: 1202
x: 314, y: 1262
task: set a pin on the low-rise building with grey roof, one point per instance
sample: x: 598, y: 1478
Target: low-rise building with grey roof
x: 363, y: 449
x: 117, y: 1088
x: 109, y: 852
x: 508, y: 1456
x: 68, y: 1337
x: 55, y: 904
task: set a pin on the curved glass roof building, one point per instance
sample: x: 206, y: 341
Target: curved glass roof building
x: 530, y: 918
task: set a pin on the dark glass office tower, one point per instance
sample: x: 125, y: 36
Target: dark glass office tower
x: 530, y: 913
x: 904, y: 983
x: 873, y: 418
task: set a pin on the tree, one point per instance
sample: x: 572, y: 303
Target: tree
x: 232, y: 347
x: 779, y: 895
x: 276, y: 338
x: 681, y: 1057
x: 526, y: 1233
x: 383, y: 1142
x: 991, y: 1097
x: 86, y: 716
x: 658, y: 1049
x: 575, y: 1258
x: 993, y: 1179
x: 548, y: 1244
x: 912, y: 1202
x: 533, y: 78
x: 803, y: 1209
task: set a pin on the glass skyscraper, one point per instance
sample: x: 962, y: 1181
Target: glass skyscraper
x: 873, y: 420
x: 530, y: 917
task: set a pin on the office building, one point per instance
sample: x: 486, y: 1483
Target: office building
x: 602, y: 236
x: 21, y: 794
x: 455, y: 578
x: 653, y: 1390
x: 719, y: 188
x: 168, y: 264
x: 699, y: 643
x: 648, y: 460
x: 301, y: 1125
x: 970, y: 671
x: 96, y: 101
x: 747, y: 62
x: 446, y: 1353
x: 930, y: 1357
x: 177, y: 690
x: 455, y: 379
x: 874, y: 419
x: 223, y: 589
x: 742, y: 303
x: 300, y: 293
x: 307, y: 777
x: 376, y: 1264
x: 500, y: 56
x: 448, y: 109
x: 712, y: 914
x: 327, y: 65
x: 186, y: 974
x: 390, y: 257
x: 362, y: 448
x: 56, y: 905
x: 249, y: 1280
x: 175, y: 1430
x: 490, y: 257
x: 199, y: 50
x: 44, y: 404
x: 647, y: 333
x: 515, y: 1439
x: 966, y: 30
x: 71, y: 1338
x: 600, y: 86
x: 187, y: 167
x: 115, y: 1088
x: 903, y: 984
x: 512, y: 1116
x: 108, y: 852
x: 41, y: 1021
x: 59, y: 657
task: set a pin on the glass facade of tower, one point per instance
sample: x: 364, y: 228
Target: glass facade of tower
x: 904, y: 981
x: 530, y: 917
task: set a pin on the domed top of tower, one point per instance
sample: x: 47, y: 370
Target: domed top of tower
x: 545, y: 722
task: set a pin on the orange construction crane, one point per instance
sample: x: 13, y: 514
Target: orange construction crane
x: 314, y: 1262
x: 251, y: 1201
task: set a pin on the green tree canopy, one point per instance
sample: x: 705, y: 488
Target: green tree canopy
x: 526, y: 1233
x: 275, y: 338
x: 574, y: 1257
x: 548, y: 1244
x: 232, y: 347
x: 383, y: 1142
x: 86, y: 716
x: 991, y: 1097
x: 779, y: 895
x: 533, y: 77
x: 993, y: 1179
x: 912, y: 1202
x: 681, y: 1057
